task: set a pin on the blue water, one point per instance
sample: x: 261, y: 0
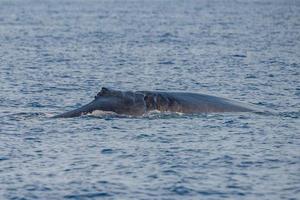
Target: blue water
x: 56, y: 55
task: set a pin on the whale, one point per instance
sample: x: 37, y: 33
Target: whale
x: 138, y: 103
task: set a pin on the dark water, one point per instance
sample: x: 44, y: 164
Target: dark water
x: 56, y: 55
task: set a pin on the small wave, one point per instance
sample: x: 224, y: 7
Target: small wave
x: 35, y: 104
x: 88, y: 195
x: 181, y: 190
x: 166, y: 63
x: 294, y: 115
x: 24, y: 115
x: 250, y: 76
x: 239, y: 56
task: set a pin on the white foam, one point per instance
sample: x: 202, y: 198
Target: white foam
x: 101, y: 113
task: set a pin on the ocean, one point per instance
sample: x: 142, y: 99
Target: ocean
x: 56, y: 56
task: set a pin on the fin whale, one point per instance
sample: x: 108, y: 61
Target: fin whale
x: 140, y: 102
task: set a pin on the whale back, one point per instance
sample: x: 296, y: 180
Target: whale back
x: 191, y: 103
x: 140, y: 102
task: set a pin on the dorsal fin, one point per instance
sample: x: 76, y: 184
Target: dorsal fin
x: 104, y: 91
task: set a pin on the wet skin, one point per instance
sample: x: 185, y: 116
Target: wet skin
x: 140, y: 102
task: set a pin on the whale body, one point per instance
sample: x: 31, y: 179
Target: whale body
x: 140, y: 102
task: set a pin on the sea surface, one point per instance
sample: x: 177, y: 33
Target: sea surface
x: 56, y: 55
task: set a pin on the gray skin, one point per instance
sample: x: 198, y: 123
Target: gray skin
x: 140, y: 102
